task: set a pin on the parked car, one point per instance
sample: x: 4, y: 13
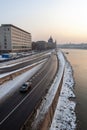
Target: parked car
x: 25, y: 87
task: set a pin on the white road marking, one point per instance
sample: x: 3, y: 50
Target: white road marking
x: 22, y: 101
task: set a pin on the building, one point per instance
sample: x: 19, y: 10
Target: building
x: 50, y: 40
x: 43, y: 45
x: 51, y: 44
x: 14, y: 39
x: 39, y: 45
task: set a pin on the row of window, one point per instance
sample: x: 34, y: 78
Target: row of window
x: 19, y: 32
x: 18, y: 44
x: 21, y: 47
x: 20, y: 39
x: 21, y: 42
x: 18, y: 36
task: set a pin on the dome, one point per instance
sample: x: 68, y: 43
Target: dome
x: 50, y: 39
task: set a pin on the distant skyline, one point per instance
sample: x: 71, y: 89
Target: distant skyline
x: 64, y: 20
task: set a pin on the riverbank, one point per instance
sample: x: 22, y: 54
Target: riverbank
x: 65, y: 117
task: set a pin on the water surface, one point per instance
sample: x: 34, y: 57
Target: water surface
x: 78, y: 60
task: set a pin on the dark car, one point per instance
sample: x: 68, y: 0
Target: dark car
x: 25, y: 87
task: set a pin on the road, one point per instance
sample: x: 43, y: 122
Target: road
x: 16, y: 109
x: 22, y: 64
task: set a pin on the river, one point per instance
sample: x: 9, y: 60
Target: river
x: 78, y: 60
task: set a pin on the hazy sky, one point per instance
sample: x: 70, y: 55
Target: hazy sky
x: 64, y: 20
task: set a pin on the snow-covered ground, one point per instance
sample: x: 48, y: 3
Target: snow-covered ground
x: 64, y: 116
x: 8, y: 73
x: 11, y: 86
x: 21, y: 60
x: 16, y: 63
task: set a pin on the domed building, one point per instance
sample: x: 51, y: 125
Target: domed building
x: 51, y: 44
x: 43, y: 45
x: 50, y: 40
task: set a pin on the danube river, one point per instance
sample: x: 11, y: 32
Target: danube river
x: 78, y: 60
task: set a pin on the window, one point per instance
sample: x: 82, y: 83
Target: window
x: 5, y: 47
x: 5, y: 43
x: 5, y: 39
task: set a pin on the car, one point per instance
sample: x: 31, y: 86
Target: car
x: 25, y: 87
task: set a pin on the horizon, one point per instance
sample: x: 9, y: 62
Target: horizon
x: 64, y: 20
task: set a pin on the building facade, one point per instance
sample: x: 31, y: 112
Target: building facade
x: 39, y: 45
x: 43, y: 45
x: 14, y: 39
x: 51, y: 44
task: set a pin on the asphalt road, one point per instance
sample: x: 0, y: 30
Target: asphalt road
x: 17, y: 108
x: 24, y: 63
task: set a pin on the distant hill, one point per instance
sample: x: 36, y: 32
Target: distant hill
x: 73, y: 46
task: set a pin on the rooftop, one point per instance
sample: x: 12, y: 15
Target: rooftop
x: 14, y: 27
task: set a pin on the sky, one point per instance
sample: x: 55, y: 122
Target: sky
x: 64, y: 20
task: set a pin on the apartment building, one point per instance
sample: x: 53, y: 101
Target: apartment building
x: 14, y: 39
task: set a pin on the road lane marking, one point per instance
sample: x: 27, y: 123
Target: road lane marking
x: 22, y: 101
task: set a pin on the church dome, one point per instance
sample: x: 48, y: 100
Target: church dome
x: 50, y: 40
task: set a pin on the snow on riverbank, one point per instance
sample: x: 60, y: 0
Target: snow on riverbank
x: 65, y: 117
x: 11, y: 86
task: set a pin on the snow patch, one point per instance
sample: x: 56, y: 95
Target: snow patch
x: 11, y: 86
x: 8, y: 73
x: 65, y: 117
